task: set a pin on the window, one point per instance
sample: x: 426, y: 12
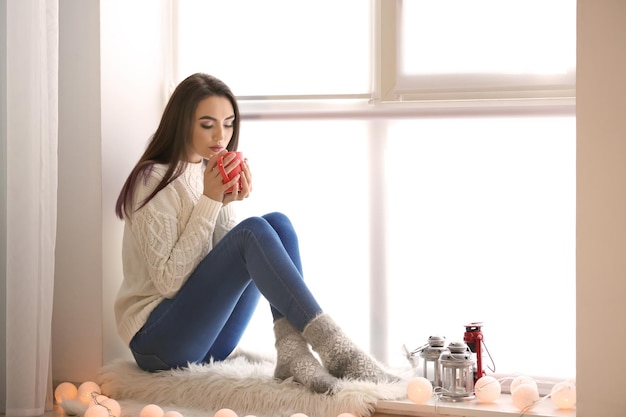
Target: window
x: 278, y: 47
x: 486, y: 233
x: 505, y: 48
x: 428, y: 192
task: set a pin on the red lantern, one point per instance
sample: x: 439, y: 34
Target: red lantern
x: 474, y: 339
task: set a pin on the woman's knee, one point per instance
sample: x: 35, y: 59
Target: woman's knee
x: 273, y: 225
x: 254, y: 223
x: 278, y: 220
x: 275, y: 220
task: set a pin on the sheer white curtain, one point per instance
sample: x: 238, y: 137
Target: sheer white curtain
x: 31, y: 201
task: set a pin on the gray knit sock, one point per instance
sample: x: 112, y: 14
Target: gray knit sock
x: 340, y: 355
x: 295, y: 359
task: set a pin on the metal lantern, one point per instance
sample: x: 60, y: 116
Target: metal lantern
x: 430, y: 359
x: 474, y: 338
x: 457, y: 373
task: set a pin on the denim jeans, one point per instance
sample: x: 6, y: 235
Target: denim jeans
x: 208, y: 315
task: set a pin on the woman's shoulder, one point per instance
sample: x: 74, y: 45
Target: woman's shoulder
x: 152, y: 176
x: 155, y: 171
x: 149, y: 179
x: 159, y: 171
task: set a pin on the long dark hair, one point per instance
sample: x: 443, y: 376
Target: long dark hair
x: 169, y: 144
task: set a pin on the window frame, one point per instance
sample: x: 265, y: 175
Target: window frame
x: 392, y: 97
x: 391, y: 87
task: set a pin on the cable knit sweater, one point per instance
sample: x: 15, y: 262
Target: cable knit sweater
x: 164, y: 242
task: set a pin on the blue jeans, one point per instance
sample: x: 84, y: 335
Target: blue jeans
x: 208, y: 315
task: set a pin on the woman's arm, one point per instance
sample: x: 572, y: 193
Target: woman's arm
x: 226, y: 220
x: 173, y: 234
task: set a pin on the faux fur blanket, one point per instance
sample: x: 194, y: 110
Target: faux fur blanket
x: 243, y: 384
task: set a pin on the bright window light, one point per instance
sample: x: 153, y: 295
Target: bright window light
x: 481, y: 227
x: 488, y: 37
x: 477, y: 212
x: 277, y: 47
x: 316, y: 173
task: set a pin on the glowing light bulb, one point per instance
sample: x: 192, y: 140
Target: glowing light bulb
x: 487, y: 389
x: 525, y: 396
x: 97, y: 399
x: 172, y: 413
x: 114, y: 406
x: 419, y: 390
x: 96, y: 411
x: 151, y: 410
x: 86, y: 389
x: 225, y: 412
x: 298, y: 415
x: 346, y: 415
x: 522, y: 380
x: 563, y: 394
x: 65, y: 391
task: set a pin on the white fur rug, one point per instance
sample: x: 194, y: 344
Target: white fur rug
x: 243, y: 384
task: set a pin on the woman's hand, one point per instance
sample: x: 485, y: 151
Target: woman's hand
x: 246, y: 185
x: 215, y: 189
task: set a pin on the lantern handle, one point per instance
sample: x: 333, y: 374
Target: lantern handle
x: 409, y: 355
x: 419, y: 349
x: 490, y: 358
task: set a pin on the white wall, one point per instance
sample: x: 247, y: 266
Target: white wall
x: 131, y: 71
x: 133, y: 98
x: 111, y: 97
x: 601, y: 208
x: 77, y: 310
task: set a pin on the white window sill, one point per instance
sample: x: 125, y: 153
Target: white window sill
x: 503, y: 407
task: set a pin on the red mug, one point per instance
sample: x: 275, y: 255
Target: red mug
x: 232, y: 174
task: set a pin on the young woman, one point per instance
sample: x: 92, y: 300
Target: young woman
x: 193, y: 275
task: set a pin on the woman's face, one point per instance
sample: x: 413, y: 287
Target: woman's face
x: 212, y: 128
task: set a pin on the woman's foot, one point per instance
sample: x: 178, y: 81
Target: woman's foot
x: 340, y: 355
x: 295, y: 359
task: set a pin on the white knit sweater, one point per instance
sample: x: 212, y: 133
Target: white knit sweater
x: 164, y: 242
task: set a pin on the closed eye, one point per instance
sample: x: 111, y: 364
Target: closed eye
x: 227, y: 126
x: 228, y: 122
